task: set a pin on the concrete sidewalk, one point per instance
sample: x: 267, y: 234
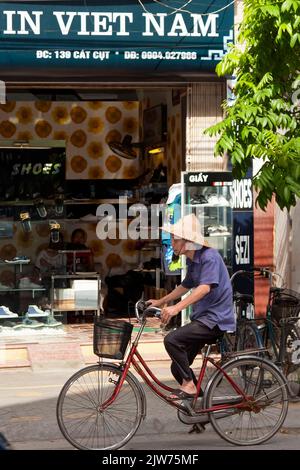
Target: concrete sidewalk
x: 67, y: 347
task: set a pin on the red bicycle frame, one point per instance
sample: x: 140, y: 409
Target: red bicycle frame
x: 149, y: 377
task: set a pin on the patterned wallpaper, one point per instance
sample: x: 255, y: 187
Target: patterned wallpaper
x: 86, y: 127
x: 172, y: 155
x: 174, y: 149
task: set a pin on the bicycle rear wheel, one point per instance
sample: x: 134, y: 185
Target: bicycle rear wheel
x: 266, y: 388
x: 79, y: 414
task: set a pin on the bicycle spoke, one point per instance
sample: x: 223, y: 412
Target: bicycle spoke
x: 259, y: 417
x: 83, y: 420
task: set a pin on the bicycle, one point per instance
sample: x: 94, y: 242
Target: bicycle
x: 278, y: 335
x: 247, y: 335
x: 280, y: 332
x: 101, y: 406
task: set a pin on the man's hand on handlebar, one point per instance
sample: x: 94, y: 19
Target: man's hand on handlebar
x: 155, y: 303
x: 167, y: 313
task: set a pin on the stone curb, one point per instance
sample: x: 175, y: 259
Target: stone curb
x: 66, y: 354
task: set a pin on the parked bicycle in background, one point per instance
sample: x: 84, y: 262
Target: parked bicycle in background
x: 246, y: 336
x: 277, y: 335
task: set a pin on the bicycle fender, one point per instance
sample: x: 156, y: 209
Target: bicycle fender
x: 142, y: 392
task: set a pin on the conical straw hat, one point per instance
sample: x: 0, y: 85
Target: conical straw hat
x: 187, y: 228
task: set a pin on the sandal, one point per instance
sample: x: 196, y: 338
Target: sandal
x: 178, y: 394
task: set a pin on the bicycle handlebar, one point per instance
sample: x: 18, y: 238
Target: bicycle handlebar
x: 142, y: 310
x: 263, y: 272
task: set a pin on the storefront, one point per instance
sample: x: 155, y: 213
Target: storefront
x: 103, y: 100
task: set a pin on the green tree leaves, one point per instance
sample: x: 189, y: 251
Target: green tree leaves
x: 264, y: 121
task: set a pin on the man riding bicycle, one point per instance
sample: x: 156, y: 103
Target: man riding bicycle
x: 211, y: 300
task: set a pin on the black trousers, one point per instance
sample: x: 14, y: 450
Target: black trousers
x: 184, y: 344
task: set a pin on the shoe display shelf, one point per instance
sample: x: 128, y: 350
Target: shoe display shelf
x: 82, y: 293
x: 22, y: 291
x: 39, y: 210
x: 208, y: 196
x: 84, y: 209
x: 18, y: 286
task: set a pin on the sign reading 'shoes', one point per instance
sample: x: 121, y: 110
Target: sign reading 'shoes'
x: 115, y: 35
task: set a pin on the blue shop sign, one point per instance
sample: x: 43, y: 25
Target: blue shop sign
x: 116, y: 36
x: 243, y: 232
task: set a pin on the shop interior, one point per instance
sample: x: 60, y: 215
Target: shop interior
x: 63, y: 154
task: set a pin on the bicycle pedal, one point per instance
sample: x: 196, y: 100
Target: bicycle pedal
x: 197, y: 428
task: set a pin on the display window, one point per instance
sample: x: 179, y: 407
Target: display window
x: 62, y: 164
x: 96, y: 126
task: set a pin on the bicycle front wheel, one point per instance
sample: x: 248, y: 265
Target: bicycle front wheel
x: 80, y: 417
x: 263, y: 413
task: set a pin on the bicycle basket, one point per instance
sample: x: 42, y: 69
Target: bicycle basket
x: 111, y: 338
x: 285, y: 304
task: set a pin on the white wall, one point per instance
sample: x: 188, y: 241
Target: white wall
x: 282, y: 247
x: 295, y: 248
x: 287, y: 246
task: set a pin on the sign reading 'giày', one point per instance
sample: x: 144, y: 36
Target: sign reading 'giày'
x: 116, y: 35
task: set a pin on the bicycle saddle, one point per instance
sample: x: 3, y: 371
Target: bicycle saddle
x: 245, y: 297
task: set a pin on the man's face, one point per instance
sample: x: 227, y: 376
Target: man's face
x: 79, y: 238
x: 177, y: 245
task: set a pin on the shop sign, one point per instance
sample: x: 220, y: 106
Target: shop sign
x: 241, y: 194
x: 35, y: 169
x: 243, y: 232
x: 213, y: 178
x: 116, y: 36
x: 27, y: 173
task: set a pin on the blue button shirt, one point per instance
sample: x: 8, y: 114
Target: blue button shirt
x: 215, y: 308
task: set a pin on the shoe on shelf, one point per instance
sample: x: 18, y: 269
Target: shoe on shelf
x: 18, y: 260
x: 223, y: 201
x: 28, y: 323
x: 216, y: 230
x: 34, y: 312
x: 18, y: 326
x: 6, y: 313
x: 26, y: 283
x: 223, y: 230
x: 8, y: 324
x: 213, y: 200
x: 4, y: 287
x: 52, y: 323
x: 198, y: 199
